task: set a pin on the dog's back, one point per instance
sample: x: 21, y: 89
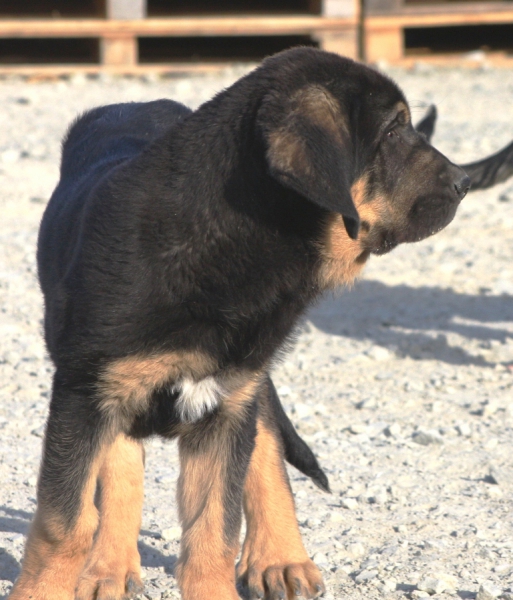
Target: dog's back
x: 96, y: 144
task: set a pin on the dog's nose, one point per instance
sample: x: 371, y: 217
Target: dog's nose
x: 462, y: 186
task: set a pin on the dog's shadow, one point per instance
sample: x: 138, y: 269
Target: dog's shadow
x: 414, y: 321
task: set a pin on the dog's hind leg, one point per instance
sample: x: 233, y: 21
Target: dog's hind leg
x: 113, y: 568
x: 214, y: 455
x: 274, y: 562
x: 66, y: 519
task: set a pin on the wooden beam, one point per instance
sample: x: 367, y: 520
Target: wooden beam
x: 118, y: 50
x: 176, y: 27
x: 384, y: 44
x: 344, y: 43
x: 438, y: 20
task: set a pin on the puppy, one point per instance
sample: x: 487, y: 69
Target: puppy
x: 176, y: 256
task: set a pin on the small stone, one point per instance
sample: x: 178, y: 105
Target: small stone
x: 390, y: 585
x: 356, y: 549
x: 320, y: 559
x: 375, y: 429
x: 302, y: 410
x: 313, y: 522
x: 464, y: 429
x: 171, y: 533
x: 502, y: 568
x: 494, y: 476
x: 349, y: 503
x: 433, y: 545
x: 367, y: 403
x: 39, y: 431
x: 426, y: 438
x: 10, y: 156
x: 393, y: 430
x: 419, y: 594
x: 366, y: 575
x: 432, y: 585
x: 379, y: 353
x: 488, y: 591
x: 337, y: 517
x: 358, y: 428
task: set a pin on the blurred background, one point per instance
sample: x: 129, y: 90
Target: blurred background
x: 124, y: 36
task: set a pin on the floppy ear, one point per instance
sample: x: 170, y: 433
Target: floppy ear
x: 309, y: 149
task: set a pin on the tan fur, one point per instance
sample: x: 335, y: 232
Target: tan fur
x: 114, y: 560
x: 343, y: 257
x: 318, y: 105
x: 287, y: 151
x: 126, y: 384
x: 206, y: 564
x: 55, y: 555
x: 273, y: 550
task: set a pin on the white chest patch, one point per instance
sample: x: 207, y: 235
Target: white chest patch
x: 197, y: 398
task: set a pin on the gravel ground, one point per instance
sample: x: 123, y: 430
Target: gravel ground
x: 402, y: 385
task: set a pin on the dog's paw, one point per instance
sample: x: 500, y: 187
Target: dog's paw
x: 283, y: 581
x: 109, y: 581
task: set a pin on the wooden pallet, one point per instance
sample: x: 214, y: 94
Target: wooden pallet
x: 118, y: 38
x: 335, y: 29
x: 385, y: 22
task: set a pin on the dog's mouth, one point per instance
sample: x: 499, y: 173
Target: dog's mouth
x: 381, y: 241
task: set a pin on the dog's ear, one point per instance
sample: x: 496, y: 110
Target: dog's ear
x: 427, y: 125
x: 309, y: 149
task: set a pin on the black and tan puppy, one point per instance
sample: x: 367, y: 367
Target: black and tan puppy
x: 176, y: 256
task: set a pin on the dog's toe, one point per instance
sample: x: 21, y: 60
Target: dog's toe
x: 104, y: 583
x: 284, y: 582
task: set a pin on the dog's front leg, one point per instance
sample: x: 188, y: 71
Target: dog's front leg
x: 274, y: 562
x: 214, y: 457
x: 66, y: 519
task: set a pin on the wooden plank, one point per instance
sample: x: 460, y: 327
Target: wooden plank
x: 56, y: 71
x: 176, y: 27
x: 438, y: 20
x: 117, y: 50
x: 398, y: 7
x: 344, y: 43
x: 384, y: 43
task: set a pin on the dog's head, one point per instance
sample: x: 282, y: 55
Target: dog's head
x: 340, y: 134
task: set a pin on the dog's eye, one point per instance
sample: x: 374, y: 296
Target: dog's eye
x: 391, y: 133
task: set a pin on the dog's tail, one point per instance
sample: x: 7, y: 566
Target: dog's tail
x: 492, y: 170
x: 297, y: 452
x: 483, y: 173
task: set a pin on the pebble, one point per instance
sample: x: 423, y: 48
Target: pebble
x: 432, y: 586
x: 366, y: 575
x: 464, y: 429
x: 171, y: 533
x: 419, y: 594
x: 301, y: 410
x: 488, y: 591
x: 349, y: 503
x: 426, y: 438
x: 356, y: 550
